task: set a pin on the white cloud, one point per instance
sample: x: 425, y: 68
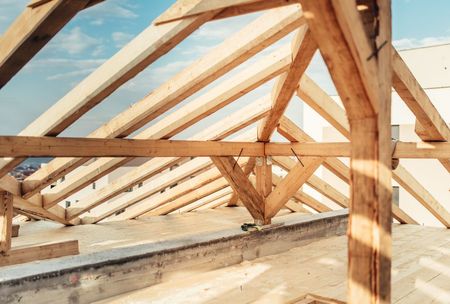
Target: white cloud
x: 111, y: 9
x: 64, y: 63
x: 75, y: 42
x: 77, y: 73
x: 408, y: 43
x: 121, y: 38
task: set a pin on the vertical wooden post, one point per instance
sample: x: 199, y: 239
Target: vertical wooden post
x: 370, y: 218
x: 263, y: 170
x: 354, y: 37
x: 6, y: 215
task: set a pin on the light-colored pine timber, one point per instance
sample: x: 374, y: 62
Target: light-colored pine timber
x: 430, y: 126
x: 184, y: 9
x: 233, y: 123
x: 290, y: 184
x: 364, y: 85
x: 240, y: 183
x: 233, y: 51
x: 144, y: 49
x: 303, y: 48
x: 43, y: 251
x: 248, y: 169
x: 6, y: 216
x: 335, y: 115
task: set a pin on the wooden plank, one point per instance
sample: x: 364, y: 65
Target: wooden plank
x: 25, y: 254
x: 183, y: 9
x: 363, y: 81
x: 303, y: 49
x: 147, y: 47
x: 233, y: 51
x: 296, y: 177
x: 6, y: 215
x: 249, y: 196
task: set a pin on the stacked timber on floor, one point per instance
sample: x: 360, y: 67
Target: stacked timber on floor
x: 222, y: 165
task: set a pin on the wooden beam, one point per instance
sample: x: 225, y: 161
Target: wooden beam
x: 303, y: 197
x: 293, y: 133
x: 6, y: 215
x: 31, y: 31
x: 233, y: 51
x: 175, y: 197
x: 147, y: 47
x: 183, y: 9
x: 189, y: 198
x: 215, y: 204
x: 10, y: 184
x: 296, y: 177
x: 25, y: 254
x: 27, y: 207
x: 248, y: 169
x: 363, y: 81
x: 207, y: 200
x: 303, y: 48
x: 233, y: 123
x: 249, y: 196
x: 154, y: 186
x: 430, y: 126
x: 233, y: 11
x: 263, y: 172
x: 409, y: 89
x: 421, y: 194
x: 328, y: 108
x: 81, y: 147
x: 295, y: 207
x: 91, y: 147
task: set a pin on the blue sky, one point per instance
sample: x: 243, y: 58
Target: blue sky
x: 99, y: 32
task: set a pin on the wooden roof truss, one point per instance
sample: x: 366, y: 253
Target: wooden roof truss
x: 353, y: 37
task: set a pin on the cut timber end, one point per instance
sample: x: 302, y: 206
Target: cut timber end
x: 24, y: 254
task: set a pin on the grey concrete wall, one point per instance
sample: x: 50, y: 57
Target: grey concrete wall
x: 87, y: 278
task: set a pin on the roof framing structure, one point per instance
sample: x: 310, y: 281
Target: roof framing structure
x: 222, y: 165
